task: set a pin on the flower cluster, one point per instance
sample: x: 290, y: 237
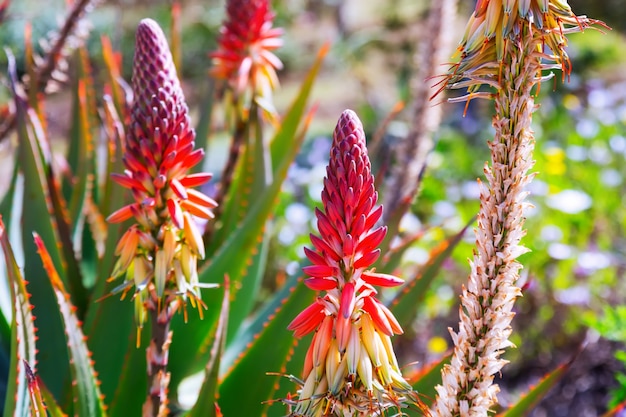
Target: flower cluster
x: 244, y: 57
x: 159, y: 253
x: 496, y: 23
x: 350, y: 368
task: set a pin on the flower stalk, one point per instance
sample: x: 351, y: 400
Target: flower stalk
x: 350, y: 368
x: 158, y: 254
x: 506, y: 46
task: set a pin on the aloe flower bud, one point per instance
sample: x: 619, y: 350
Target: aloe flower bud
x: 244, y: 57
x: 159, y: 252
x: 507, y: 46
x: 350, y: 368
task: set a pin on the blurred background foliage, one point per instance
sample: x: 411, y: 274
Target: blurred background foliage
x: 576, y: 230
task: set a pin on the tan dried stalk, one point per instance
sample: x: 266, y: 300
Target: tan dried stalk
x: 487, y: 300
x: 412, y: 153
x: 504, y: 47
x: 51, y: 69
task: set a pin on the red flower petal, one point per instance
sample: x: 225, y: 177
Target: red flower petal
x: 319, y: 271
x: 307, y: 320
x: 178, y: 189
x: 314, y: 257
x: 195, y: 180
x: 367, y: 259
x: 382, y: 280
x: 175, y: 213
x: 378, y: 316
x: 121, y: 215
x: 320, y: 284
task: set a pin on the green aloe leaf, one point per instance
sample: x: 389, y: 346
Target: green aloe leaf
x: 255, y: 176
x: 190, y: 347
x: 80, y: 189
x: 264, y: 347
x: 87, y: 399
x: 22, y: 335
x: 52, y: 407
x: 116, y: 87
x: 293, y: 369
x: 403, y: 306
x: 81, y: 145
x: 130, y: 392
x: 108, y: 318
x: 41, y: 213
x: 615, y: 411
x: 9, y: 199
x: 207, y: 399
x: 531, y: 398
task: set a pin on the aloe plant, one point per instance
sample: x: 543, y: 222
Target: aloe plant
x: 127, y: 275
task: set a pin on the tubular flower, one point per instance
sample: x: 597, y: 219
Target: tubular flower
x: 504, y: 47
x: 350, y: 368
x: 158, y: 254
x: 244, y: 57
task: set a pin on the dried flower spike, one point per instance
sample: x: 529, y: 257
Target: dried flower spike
x: 505, y: 47
x: 498, y: 25
x: 158, y: 254
x: 350, y: 368
x: 244, y: 57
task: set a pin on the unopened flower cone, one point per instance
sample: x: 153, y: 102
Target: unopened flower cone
x: 508, y: 46
x: 350, y: 367
x: 244, y: 57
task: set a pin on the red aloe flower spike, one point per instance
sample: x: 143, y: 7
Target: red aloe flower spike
x: 352, y: 328
x: 159, y: 253
x: 244, y: 57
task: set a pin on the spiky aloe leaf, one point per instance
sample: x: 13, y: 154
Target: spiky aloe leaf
x: 530, y: 399
x: 615, y: 411
x: 126, y: 401
x: 261, y: 352
x: 10, y: 208
x: 190, y: 346
x: 116, y: 87
x: 37, y: 406
x: 88, y: 400
x: 22, y: 335
x: 293, y: 369
x: 403, y: 306
x: 254, y: 175
x: 52, y: 407
x: 207, y: 399
x: 195, y: 335
x: 110, y: 357
x: 81, y: 156
x: 42, y: 212
x: 9, y: 199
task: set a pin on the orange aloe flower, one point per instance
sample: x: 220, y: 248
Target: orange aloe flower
x: 244, y: 57
x: 158, y: 254
x: 350, y: 368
